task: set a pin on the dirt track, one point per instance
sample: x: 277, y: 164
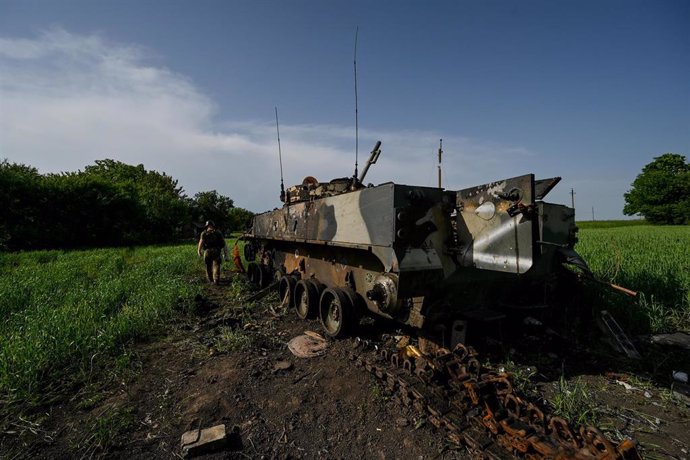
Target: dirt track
x: 320, y: 407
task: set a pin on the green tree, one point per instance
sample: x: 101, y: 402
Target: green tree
x: 163, y: 206
x: 23, y: 197
x: 240, y: 219
x: 661, y: 192
x: 88, y: 210
x: 109, y: 203
x: 213, y: 206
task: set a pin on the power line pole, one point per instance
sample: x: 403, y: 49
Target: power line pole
x: 592, y: 213
x: 572, y: 198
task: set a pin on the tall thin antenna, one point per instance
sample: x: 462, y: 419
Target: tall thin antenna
x: 440, y: 155
x: 280, y: 158
x: 356, y: 107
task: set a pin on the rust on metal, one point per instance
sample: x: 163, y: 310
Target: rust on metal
x: 484, y: 412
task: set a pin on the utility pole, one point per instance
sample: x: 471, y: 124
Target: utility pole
x: 440, y: 153
x: 592, y: 213
x: 572, y: 198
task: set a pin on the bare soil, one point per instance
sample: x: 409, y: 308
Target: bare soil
x: 220, y: 367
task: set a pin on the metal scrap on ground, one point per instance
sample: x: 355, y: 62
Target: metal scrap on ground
x: 203, y: 441
x: 308, y: 345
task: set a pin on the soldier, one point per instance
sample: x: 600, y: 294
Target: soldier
x: 213, y: 244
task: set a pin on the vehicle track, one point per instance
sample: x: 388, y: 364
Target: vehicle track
x: 479, y: 408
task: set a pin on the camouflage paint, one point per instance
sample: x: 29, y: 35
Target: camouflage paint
x: 404, y: 240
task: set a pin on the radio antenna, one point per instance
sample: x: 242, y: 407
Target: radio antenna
x: 440, y: 154
x: 356, y: 108
x: 280, y: 158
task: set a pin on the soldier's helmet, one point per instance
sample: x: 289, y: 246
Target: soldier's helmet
x: 210, y: 223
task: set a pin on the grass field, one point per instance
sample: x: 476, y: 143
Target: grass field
x: 595, y: 224
x: 65, y: 312
x: 653, y: 260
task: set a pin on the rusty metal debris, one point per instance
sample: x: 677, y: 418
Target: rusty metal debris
x: 203, y: 441
x: 308, y: 345
x: 478, y: 408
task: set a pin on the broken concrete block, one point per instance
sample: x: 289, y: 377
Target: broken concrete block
x: 198, y: 442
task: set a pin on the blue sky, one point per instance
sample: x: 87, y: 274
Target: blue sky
x: 587, y: 90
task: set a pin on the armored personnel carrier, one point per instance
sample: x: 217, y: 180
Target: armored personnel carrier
x: 449, y: 265
x: 437, y: 260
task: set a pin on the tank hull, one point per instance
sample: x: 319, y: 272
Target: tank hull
x: 422, y: 256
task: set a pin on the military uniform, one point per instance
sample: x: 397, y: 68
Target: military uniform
x: 213, y: 243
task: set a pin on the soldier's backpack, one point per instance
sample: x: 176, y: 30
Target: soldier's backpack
x: 212, y: 240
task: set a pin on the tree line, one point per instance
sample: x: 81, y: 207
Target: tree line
x: 109, y: 203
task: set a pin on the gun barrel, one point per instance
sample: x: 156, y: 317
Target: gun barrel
x: 372, y: 160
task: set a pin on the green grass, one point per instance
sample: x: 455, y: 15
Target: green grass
x: 653, y: 260
x: 229, y: 339
x: 63, y: 313
x: 587, y: 224
x: 102, y: 434
x: 573, y: 401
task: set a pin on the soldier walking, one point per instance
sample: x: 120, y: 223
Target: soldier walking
x: 213, y: 245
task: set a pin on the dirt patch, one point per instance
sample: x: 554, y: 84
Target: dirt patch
x: 221, y: 368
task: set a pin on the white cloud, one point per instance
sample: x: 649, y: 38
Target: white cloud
x: 67, y: 100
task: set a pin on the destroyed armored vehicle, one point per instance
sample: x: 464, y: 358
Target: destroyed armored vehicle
x: 434, y: 259
x: 447, y: 266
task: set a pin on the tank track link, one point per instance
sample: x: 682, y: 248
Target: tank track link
x: 479, y: 409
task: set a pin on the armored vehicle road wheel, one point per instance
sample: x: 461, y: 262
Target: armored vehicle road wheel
x: 286, y: 288
x: 265, y: 276
x: 306, y: 298
x: 337, y: 312
x: 253, y: 273
x: 277, y: 275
